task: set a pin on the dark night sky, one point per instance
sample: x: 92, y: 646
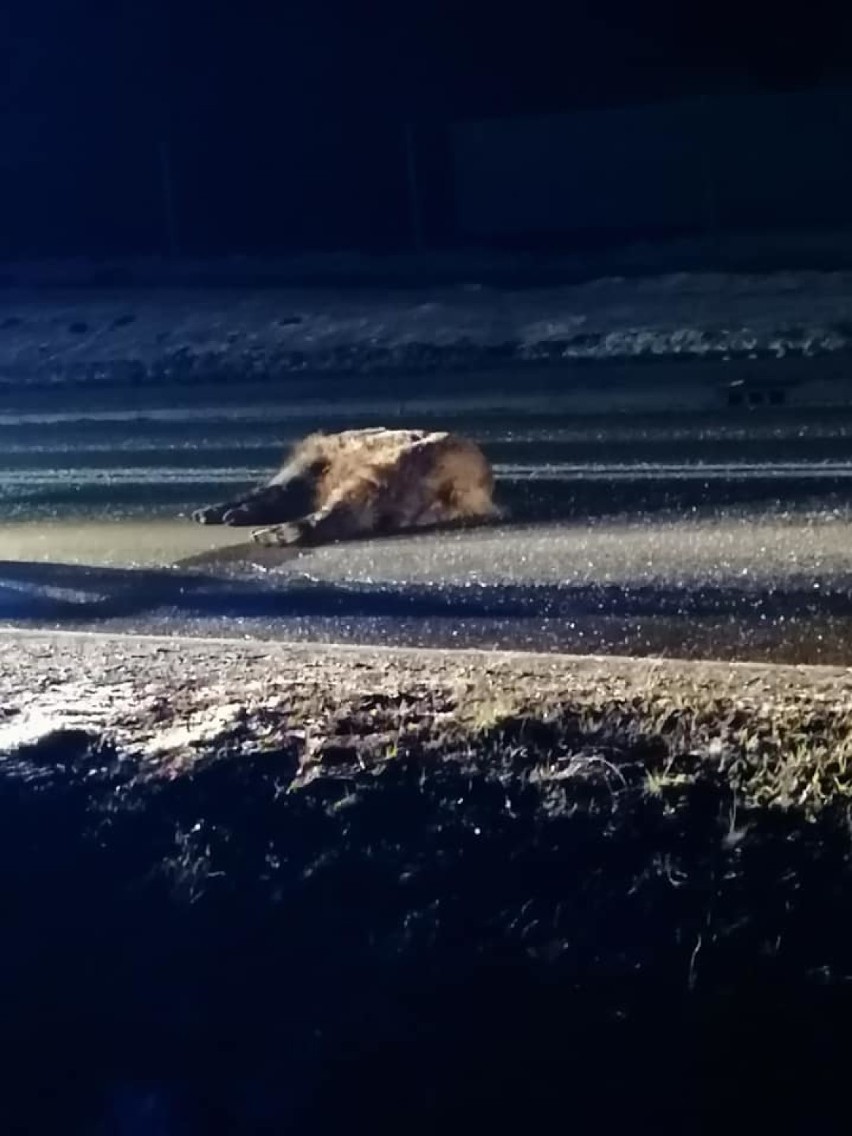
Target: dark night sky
x: 283, y: 120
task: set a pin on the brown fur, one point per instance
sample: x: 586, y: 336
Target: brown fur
x: 361, y: 482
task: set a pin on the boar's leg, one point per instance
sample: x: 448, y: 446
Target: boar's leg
x: 225, y: 512
x: 278, y: 501
x: 341, y: 519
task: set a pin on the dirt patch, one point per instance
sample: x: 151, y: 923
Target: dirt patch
x: 326, y: 883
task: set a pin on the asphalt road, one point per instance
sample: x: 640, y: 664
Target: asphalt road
x: 702, y: 537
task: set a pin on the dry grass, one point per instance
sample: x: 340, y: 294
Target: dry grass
x: 275, y: 841
x: 781, y: 738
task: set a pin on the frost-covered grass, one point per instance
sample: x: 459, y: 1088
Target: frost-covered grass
x: 192, y: 334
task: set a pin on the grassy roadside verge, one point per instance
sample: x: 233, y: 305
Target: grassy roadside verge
x: 340, y: 883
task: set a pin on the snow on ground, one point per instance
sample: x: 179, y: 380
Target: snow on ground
x: 198, y: 334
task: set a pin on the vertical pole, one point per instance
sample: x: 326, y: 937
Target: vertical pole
x: 709, y: 155
x: 413, y: 189
x: 167, y: 187
x: 146, y: 68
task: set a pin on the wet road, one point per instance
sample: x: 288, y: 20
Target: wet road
x: 725, y: 536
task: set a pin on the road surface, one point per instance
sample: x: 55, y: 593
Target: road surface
x: 726, y: 536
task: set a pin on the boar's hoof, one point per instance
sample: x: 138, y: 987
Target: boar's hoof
x: 278, y: 536
x: 240, y: 515
x: 212, y: 515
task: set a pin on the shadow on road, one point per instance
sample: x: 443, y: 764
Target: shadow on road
x: 543, y: 499
x: 38, y: 592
